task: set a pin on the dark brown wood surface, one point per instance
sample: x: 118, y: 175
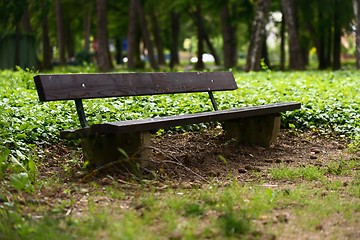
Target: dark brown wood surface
x: 83, y: 86
x: 181, y: 120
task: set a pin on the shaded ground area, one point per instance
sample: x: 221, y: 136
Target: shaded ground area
x: 186, y: 161
x: 201, y: 157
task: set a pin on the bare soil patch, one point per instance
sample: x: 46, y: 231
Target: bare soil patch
x: 200, y: 157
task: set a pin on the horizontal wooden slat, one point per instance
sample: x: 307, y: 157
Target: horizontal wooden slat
x: 83, y: 86
x: 181, y: 120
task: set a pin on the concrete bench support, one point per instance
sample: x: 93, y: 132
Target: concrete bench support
x: 100, y: 150
x: 261, y: 130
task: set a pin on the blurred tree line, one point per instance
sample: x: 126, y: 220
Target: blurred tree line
x: 155, y: 31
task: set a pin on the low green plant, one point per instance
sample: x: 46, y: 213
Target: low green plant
x: 329, y: 105
x: 234, y: 223
x: 342, y: 167
x: 294, y: 173
x: 22, y: 169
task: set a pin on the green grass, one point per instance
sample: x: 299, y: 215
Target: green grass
x: 208, y: 212
x: 310, y: 172
x: 229, y: 213
x: 303, y: 173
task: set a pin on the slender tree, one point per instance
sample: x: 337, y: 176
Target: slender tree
x: 133, y: 38
x: 46, y: 45
x: 282, y: 43
x: 337, y: 37
x: 103, y: 53
x: 228, y: 31
x: 200, y: 36
x: 26, y: 20
x: 257, y: 36
x: 69, y: 41
x: 175, y: 31
x: 202, y: 32
x: 146, y: 36
x: 157, y: 37
x: 60, y: 32
x: 265, y: 53
x: 356, y: 4
x: 295, y: 53
x: 86, y: 24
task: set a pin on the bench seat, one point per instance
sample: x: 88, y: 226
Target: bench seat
x: 149, y: 124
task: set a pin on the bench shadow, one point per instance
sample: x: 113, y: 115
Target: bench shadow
x: 189, y: 157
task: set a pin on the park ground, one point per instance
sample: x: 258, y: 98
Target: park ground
x: 197, y: 185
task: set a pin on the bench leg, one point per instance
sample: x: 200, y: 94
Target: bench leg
x: 261, y: 130
x: 103, y: 149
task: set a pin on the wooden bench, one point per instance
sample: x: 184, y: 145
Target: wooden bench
x: 101, y: 142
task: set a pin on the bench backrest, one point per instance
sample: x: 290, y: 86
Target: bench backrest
x: 84, y: 86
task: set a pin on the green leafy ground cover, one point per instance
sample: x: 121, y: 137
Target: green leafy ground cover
x: 330, y: 105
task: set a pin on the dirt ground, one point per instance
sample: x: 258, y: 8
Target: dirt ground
x: 179, y: 160
x: 198, y: 157
x: 193, y: 159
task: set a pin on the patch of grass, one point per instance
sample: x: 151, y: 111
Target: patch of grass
x: 193, y: 209
x: 234, y: 223
x: 208, y: 212
x: 294, y: 173
x: 342, y: 167
x: 15, y: 226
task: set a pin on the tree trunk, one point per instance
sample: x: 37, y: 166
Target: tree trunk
x: 265, y: 54
x: 157, y: 38
x: 356, y: 4
x: 103, y: 53
x: 229, y: 38
x: 26, y: 20
x: 46, y: 46
x: 337, y: 38
x: 282, y: 44
x: 200, y: 36
x: 175, y: 30
x: 295, y: 53
x: 146, y: 36
x: 322, y: 52
x: 69, y: 40
x: 324, y: 33
x: 87, y: 25
x: 317, y: 39
x: 17, y: 46
x: 329, y: 42
x: 200, y: 26
x: 257, y: 36
x: 210, y: 47
x: 118, y: 46
x: 132, y: 44
x: 60, y: 32
x: 47, y: 51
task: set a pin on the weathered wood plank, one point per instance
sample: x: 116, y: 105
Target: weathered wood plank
x: 141, y: 125
x: 84, y: 86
